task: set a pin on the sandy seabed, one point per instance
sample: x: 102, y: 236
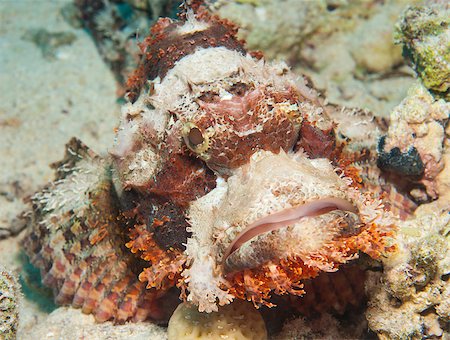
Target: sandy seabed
x: 45, y: 100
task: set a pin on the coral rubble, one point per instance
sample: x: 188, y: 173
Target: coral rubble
x: 345, y: 47
x: 410, y: 300
x: 236, y: 321
x: 9, y: 305
x: 69, y: 323
x: 424, y: 32
x: 48, y: 42
x: 414, y: 143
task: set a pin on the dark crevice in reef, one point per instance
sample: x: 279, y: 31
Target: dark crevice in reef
x: 116, y: 26
x: 32, y: 287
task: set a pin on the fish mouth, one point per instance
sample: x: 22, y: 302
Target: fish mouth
x: 285, y: 218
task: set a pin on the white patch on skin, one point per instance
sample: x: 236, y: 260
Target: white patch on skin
x: 124, y: 139
x: 204, y: 66
x: 138, y: 118
x: 224, y: 95
x: 202, y: 277
x: 248, y: 195
x: 192, y: 25
x: 140, y: 109
x: 358, y: 126
x: 70, y: 193
x: 156, y: 120
x: 144, y: 164
x: 208, y: 66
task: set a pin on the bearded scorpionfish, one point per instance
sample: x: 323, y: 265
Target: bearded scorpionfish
x: 228, y: 180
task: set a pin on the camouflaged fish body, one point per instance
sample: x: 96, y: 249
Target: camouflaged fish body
x: 226, y: 181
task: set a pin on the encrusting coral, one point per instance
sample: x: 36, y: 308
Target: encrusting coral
x: 425, y: 34
x: 345, y: 47
x: 230, y: 179
x: 410, y: 299
x: 414, y: 143
x: 9, y: 305
x: 240, y: 321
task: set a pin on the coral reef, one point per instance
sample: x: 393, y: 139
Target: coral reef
x: 425, y: 34
x: 345, y: 47
x: 238, y: 320
x: 116, y: 27
x: 410, y: 300
x: 414, y: 143
x: 9, y: 305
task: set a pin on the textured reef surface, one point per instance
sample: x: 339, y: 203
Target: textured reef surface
x: 239, y: 201
x: 9, y: 304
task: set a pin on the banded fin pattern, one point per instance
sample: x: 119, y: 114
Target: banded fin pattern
x: 77, y: 241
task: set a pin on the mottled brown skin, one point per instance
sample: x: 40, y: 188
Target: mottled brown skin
x: 163, y: 219
x: 317, y: 143
x: 169, y: 227
x: 157, y: 233
x: 192, y: 180
x: 231, y: 149
x: 164, y: 47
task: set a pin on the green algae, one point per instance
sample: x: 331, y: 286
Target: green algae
x: 32, y: 287
x: 425, y: 35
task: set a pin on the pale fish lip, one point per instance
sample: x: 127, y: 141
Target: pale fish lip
x: 285, y: 217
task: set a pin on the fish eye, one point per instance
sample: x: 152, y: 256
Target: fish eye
x: 195, y: 136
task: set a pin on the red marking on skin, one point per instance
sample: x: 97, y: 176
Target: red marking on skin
x: 193, y: 180
x: 159, y: 223
x: 59, y: 266
x: 245, y: 133
x: 257, y: 54
x: 317, y: 143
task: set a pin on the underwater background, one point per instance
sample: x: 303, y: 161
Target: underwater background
x: 63, y: 69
